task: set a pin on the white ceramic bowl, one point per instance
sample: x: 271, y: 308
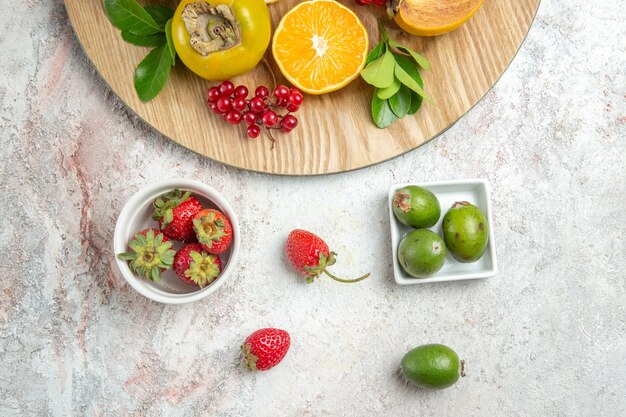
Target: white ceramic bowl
x: 137, y: 215
x: 448, y: 192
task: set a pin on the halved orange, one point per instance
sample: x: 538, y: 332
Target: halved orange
x: 320, y: 46
x: 434, y: 17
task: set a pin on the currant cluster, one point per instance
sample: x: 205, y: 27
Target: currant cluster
x: 272, y: 111
x: 379, y: 3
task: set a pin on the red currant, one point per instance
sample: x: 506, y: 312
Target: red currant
x: 224, y: 104
x: 250, y: 117
x: 296, y: 99
x: 227, y: 88
x: 253, y: 131
x: 289, y: 122
x: 379, y: 3
x: 262, y: 92
x: 233, y: 117
x: 214, y: 108
x: 257, y: 105
x: 281, y: 92
x: 214, y: 94
x: 363, y: 2
x: 239, y: 103
x: 241, y: 91
x: 261, y: 110
x: 269, y: 118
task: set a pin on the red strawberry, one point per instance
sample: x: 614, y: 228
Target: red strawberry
x: 310, y: 255
x: 196, y: 267
x: 265, y: 348
x: 213, y: 230
x: 150, y: 253
x: 174, y: 212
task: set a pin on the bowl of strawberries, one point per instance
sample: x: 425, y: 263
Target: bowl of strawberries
x: 177, y: 241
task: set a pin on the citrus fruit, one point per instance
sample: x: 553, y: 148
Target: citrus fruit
x: 320, y: 46
x: 416, y: 207
x: 421, y: 253
x: 433, y: 366
x: 465, y: 231
x: 434, y: 17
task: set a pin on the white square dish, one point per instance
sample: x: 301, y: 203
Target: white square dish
x: 477, y: 192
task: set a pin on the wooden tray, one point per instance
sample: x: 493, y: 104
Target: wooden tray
x: 336, y: 133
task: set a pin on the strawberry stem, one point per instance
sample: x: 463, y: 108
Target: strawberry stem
x: 348, y: 281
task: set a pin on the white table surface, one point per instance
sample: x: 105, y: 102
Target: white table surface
x: 546, y: 337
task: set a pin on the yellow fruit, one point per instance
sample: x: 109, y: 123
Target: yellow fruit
x: 434, y: 17
x: 320, y: 46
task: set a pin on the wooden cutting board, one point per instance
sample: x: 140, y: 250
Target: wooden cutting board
x: 336, y: 133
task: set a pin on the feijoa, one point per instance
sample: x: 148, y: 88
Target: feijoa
x: 465, y: 231
x: 421, y: 253
x: 416, y: 207
x: 432, y: 366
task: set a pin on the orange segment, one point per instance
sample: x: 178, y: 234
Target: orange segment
x: 434, y: 17
x: 320, y: 46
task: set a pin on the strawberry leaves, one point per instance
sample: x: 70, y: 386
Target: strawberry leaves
x: 150, y: 252
x: 148, y: 26
x: 164, y: 205
x: 393, y: 70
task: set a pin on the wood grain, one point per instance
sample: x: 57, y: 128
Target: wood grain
x: 336, y: 133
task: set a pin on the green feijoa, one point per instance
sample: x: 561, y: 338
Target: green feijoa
x: 432, y: 366
x: 416, y: 207
x: 465, y: 231
x: 421, y: 253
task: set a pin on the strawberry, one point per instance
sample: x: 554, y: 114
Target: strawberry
x: 265, y: 348
x: 310, y: 255
x: 213, y: 230
x: 174, y: 212
x: 150, y: 253
x: 196, y: 267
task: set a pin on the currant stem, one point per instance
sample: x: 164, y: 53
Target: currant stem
x: 270, y: 70
x: 348, y: 281
x: 269, y: 133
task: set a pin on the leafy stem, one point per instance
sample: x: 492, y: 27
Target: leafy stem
x: 384, y: 37
x: 148, y: 26
x: 393, y: 69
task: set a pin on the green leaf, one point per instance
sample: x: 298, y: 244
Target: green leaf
x: 409, y: 66
x: 421, y: 61
x: 170, y: 42
x: 152, y: 73
x: 376, y: 53
x: 385, y: 93
x: 155, y: 274
x: 128, y: 15
x: 380, y: 72
x: 409, y: 76
x: 381, y: 112
x: 401, y: 102
x: 156, y: 39
x: 127, y: 256
x: 416, y: 103
x: 160, y: 14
